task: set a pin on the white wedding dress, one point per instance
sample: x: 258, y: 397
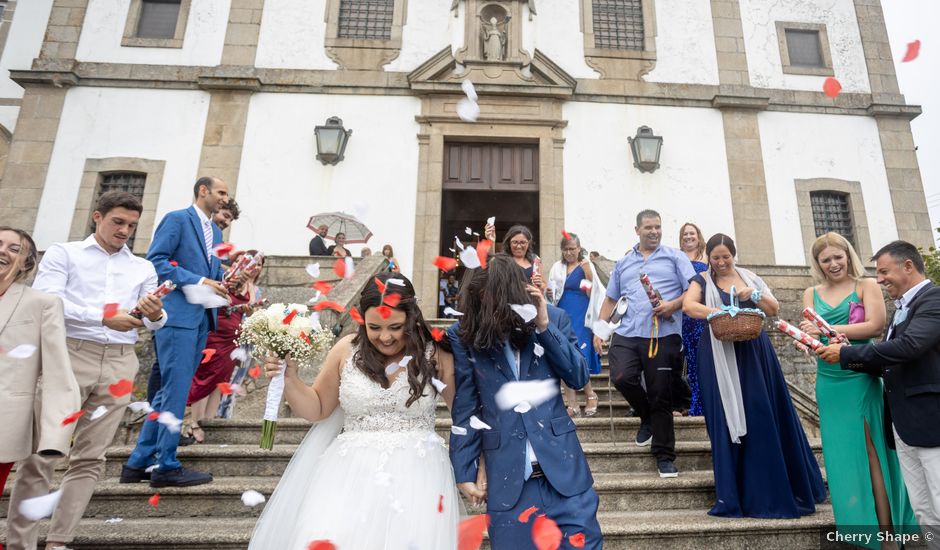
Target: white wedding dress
x: 385, y: 482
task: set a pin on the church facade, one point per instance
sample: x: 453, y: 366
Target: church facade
x: 147, y: 95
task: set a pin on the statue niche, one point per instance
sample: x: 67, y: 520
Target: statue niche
x: 494, y: 32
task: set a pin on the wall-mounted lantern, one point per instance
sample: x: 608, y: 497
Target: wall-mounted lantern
x: 646, y: 148
x: 331, y: 140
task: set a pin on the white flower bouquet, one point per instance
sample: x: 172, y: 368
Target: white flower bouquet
x: 282, y: 330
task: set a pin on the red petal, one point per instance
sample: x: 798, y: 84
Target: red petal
x: 440, y: 504
x: 153, y: 415
x: 323, y: 287
x: 565, y: 235
x: 356, y: 316
x: 913, y: 50
x: 155, y: 500
x: 121, y: 388
x: 392, y: 300
x: 483, y: 250
x: 545, y: 533
x: 110, y: 310
x: 254, y: 371
x: 224, y: 388
x: 527, y: 513
x: 207, y: 355
x: 321, y: 545
x: 445, y: 264
x: 290, y: 317
x: 328, y: 305
x: 577, y: 540
x: 470, y: 532
x: 304, y: 337
x: 174, y: 263
x: 339, y: 267
x: 380, y: 284
x: 384, y: 311
x: 832, y: 87
x: 437, y: 334
x: 72, y: 417
x: 221, y: 250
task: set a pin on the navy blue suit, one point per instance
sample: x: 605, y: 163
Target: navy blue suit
x: 565, y: 494
x: 178, y: 238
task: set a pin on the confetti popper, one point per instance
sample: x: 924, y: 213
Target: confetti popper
x: 240, y: 264
x: 798, y: 335
x: 165, y: 288
x: 825, y: 328
x: 651, y: 293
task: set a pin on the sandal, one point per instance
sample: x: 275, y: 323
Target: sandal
x: 201, y: 438
x: 574, y: 412
x: 589, y: 410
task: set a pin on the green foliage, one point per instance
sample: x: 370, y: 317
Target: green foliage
x: 932, y: 262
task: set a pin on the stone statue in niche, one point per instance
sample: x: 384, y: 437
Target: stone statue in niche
x: 494, y: 33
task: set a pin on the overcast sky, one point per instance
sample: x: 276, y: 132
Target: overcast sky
x: 910, y: 20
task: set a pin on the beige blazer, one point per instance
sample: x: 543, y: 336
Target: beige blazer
x: 28, y: 316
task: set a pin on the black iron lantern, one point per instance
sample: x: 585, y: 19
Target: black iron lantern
x: 331, y: 140
x: 646, y: 148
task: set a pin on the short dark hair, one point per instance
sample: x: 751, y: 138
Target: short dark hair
x: 232, y: 207
x: 204, y: 181
x: 902, y: 251
x: 646, y: 214
x: 118, y: 199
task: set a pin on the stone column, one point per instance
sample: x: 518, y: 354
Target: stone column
x: 739, y: 108
x: 893, y: 117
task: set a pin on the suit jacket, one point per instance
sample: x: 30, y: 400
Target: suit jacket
x: 37, y: 392
x: 910, y: 363
x: 179, y: 239
x: 318, y: 246
x: 548, y: 428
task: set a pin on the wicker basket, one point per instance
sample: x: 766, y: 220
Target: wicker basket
x: 743, y: 326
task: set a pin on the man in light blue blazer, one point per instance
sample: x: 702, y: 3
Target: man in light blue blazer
x: 181, y: 251
x: 531, y: 450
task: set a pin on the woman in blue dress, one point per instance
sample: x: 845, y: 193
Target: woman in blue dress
x: 568, y: 291
x: 692, y: 243
x: 764, y: 466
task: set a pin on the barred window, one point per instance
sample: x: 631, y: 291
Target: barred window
x: 831, y: 213
x: 366, y: 19
x: 129, y: 182
x: 618, y: 24
x: 804, y: 48
x: 158, y: 18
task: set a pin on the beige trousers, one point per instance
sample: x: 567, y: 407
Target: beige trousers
x: 96, y: 366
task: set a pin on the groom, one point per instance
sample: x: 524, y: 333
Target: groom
x: 532, y: 453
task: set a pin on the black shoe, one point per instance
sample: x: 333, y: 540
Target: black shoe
x: 667, y: 468
x: 180, y: 477
x: 133, y: 475
x: 186, y: 440
x: 644, y: 436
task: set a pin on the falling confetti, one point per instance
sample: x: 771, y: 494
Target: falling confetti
x: 527, y: 513
x: 379, y: 284
x: 440, y: 504
x: 99, y: 412
x: 538, y: 350
x: 451, y: 311
x: 468, y: 110
x: 437, y: 334
x: 110, y: 310
x: 222, y: 250
x: 913, y: 50
x: 384, y: 311
x: 313, y: 270
x: 438, y: 385
x: 457, y: 430
x: 204, y: 295
x: 72, y: 417
x: 327, y: 304
x: 545, y: 533
x: 22, y: 351
x: 470, y: 258
x: 224, y: 388
x: 356, y: 316
x: 207, y: 355
x: 323, y: 286
x: 121, y: 388
x: 470, y: 532
x: 483, y: 250
x: 832, y: 87
x: 534, y: 392
x: 289, y: 317
x: 444, y: 263
x: 154, y: 500
x: 252, y: 498
x: 37, y: 508
x: 321, y: 545
x: 526, y: 311
x: 392, y: 300
x: 577, y: 540
x: 254, y: 371
x: 478, y: 424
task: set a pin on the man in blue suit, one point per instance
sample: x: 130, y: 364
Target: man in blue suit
x: 531, y: 451
x: 181, y: 251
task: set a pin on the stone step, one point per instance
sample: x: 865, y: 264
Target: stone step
x: 618, y: 406
x: 649, y: 530
x: 250, y: 460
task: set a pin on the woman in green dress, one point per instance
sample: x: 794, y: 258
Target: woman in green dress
x: 865, y: 483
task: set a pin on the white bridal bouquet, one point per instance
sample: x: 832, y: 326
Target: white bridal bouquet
x: 282, y: 330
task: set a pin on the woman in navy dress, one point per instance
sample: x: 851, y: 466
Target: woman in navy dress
x: 764, y: 466
x: 692, y: 243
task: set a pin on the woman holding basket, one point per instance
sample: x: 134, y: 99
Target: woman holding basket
x: 764, y: 466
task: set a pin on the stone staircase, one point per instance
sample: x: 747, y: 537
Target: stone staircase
x: 638, y: 510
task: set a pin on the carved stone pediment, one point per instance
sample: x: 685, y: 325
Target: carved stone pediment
x: 541, y: 76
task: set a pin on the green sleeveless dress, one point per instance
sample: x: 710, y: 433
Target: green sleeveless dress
x: 847, y: 401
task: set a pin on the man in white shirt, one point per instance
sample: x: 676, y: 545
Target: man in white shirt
x: 92, y: 277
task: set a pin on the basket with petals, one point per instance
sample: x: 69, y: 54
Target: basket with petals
x: 733, y: 323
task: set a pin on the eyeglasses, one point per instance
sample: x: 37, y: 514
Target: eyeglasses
x: 519, y: 244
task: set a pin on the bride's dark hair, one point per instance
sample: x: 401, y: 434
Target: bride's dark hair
x: 417, y: 336
x: 488, y: 320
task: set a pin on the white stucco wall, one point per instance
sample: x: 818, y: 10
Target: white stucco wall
x: 163, y: 125
x: 557, y: 31
x: 292, y: 35
x: 281, y: 184
x: 604, y: 192
x: 685, y: 43
x: 804, y: 146
x: 427, y: 31
x: 23, y: 45
x: 758, y: 19
x: 202, y: 43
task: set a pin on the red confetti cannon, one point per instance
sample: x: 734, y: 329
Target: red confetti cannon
x: 653, y: 294
x: 798, y: 335
x: 825, y: 328
x: 167, y: 287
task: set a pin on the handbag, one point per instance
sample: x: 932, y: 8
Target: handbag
x: 856, y: 313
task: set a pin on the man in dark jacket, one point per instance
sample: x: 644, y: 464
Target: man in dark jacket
x: 318, y: 244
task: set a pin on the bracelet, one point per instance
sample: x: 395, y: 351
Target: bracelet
x: 756, y: 296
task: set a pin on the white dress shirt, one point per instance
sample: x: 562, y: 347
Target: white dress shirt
x: 902, y: 304
x: 87, y: 277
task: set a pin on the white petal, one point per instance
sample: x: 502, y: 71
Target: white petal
x: 399, y: 282
x: 392, y: 369
x: 491, y: 220
x: 538, y: 350
x: 467, y: 87
x: 204, y: 296
x: 99, y: 412
x: 169, y: 420
x: 152, y: 468
x: 469, y: 258
x: 459, y: 244
x: 523, y: 407
x: 438, y: 385
x: 313, y: 270
x: 584, y: 345
x: 252, y: 498
x: 140, y: 406
x: 350, y: 268
x: 113, y: 520
x: 478, y: 424
x: 468, y: 231
x: 468, y: 110
x: 239, y: 354
x: 457, y: 430
x: 535, y: 393
x: 405, y: 360
x: 586, y: 284
x: 526, y: 311
x: 22, y: 351
x: 602, y: 329
x: 451, y: 311
x: 34, y: 509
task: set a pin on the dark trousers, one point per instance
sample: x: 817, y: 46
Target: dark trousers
x: 153, y: 383
x: 629, y: 358
x: 574, y: 514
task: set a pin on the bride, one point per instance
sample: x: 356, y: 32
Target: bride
x: 386, y: 480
